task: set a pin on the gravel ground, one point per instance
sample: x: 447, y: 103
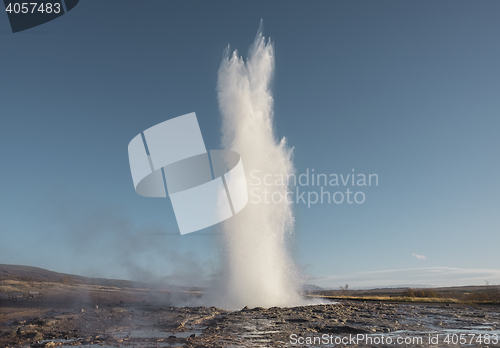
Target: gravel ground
x: 347, y: 323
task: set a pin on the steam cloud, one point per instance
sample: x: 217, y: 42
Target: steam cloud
x: 258, y: 268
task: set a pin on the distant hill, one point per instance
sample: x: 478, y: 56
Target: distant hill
x: 399, y: 290
x: 29, y: 273
x: 311, y: 287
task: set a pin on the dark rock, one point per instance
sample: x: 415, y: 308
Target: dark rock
x: 340, y: 329
x: 297, y: 320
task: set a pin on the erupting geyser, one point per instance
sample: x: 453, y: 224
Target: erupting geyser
x: 258, y: 268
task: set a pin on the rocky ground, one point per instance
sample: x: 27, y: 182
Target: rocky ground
x: 151, y: 323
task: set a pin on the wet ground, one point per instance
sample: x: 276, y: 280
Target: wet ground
x: 347, y: 323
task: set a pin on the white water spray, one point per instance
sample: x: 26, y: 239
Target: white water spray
x: 259, y: 270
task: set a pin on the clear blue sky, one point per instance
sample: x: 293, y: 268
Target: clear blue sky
x: 408, y: 90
